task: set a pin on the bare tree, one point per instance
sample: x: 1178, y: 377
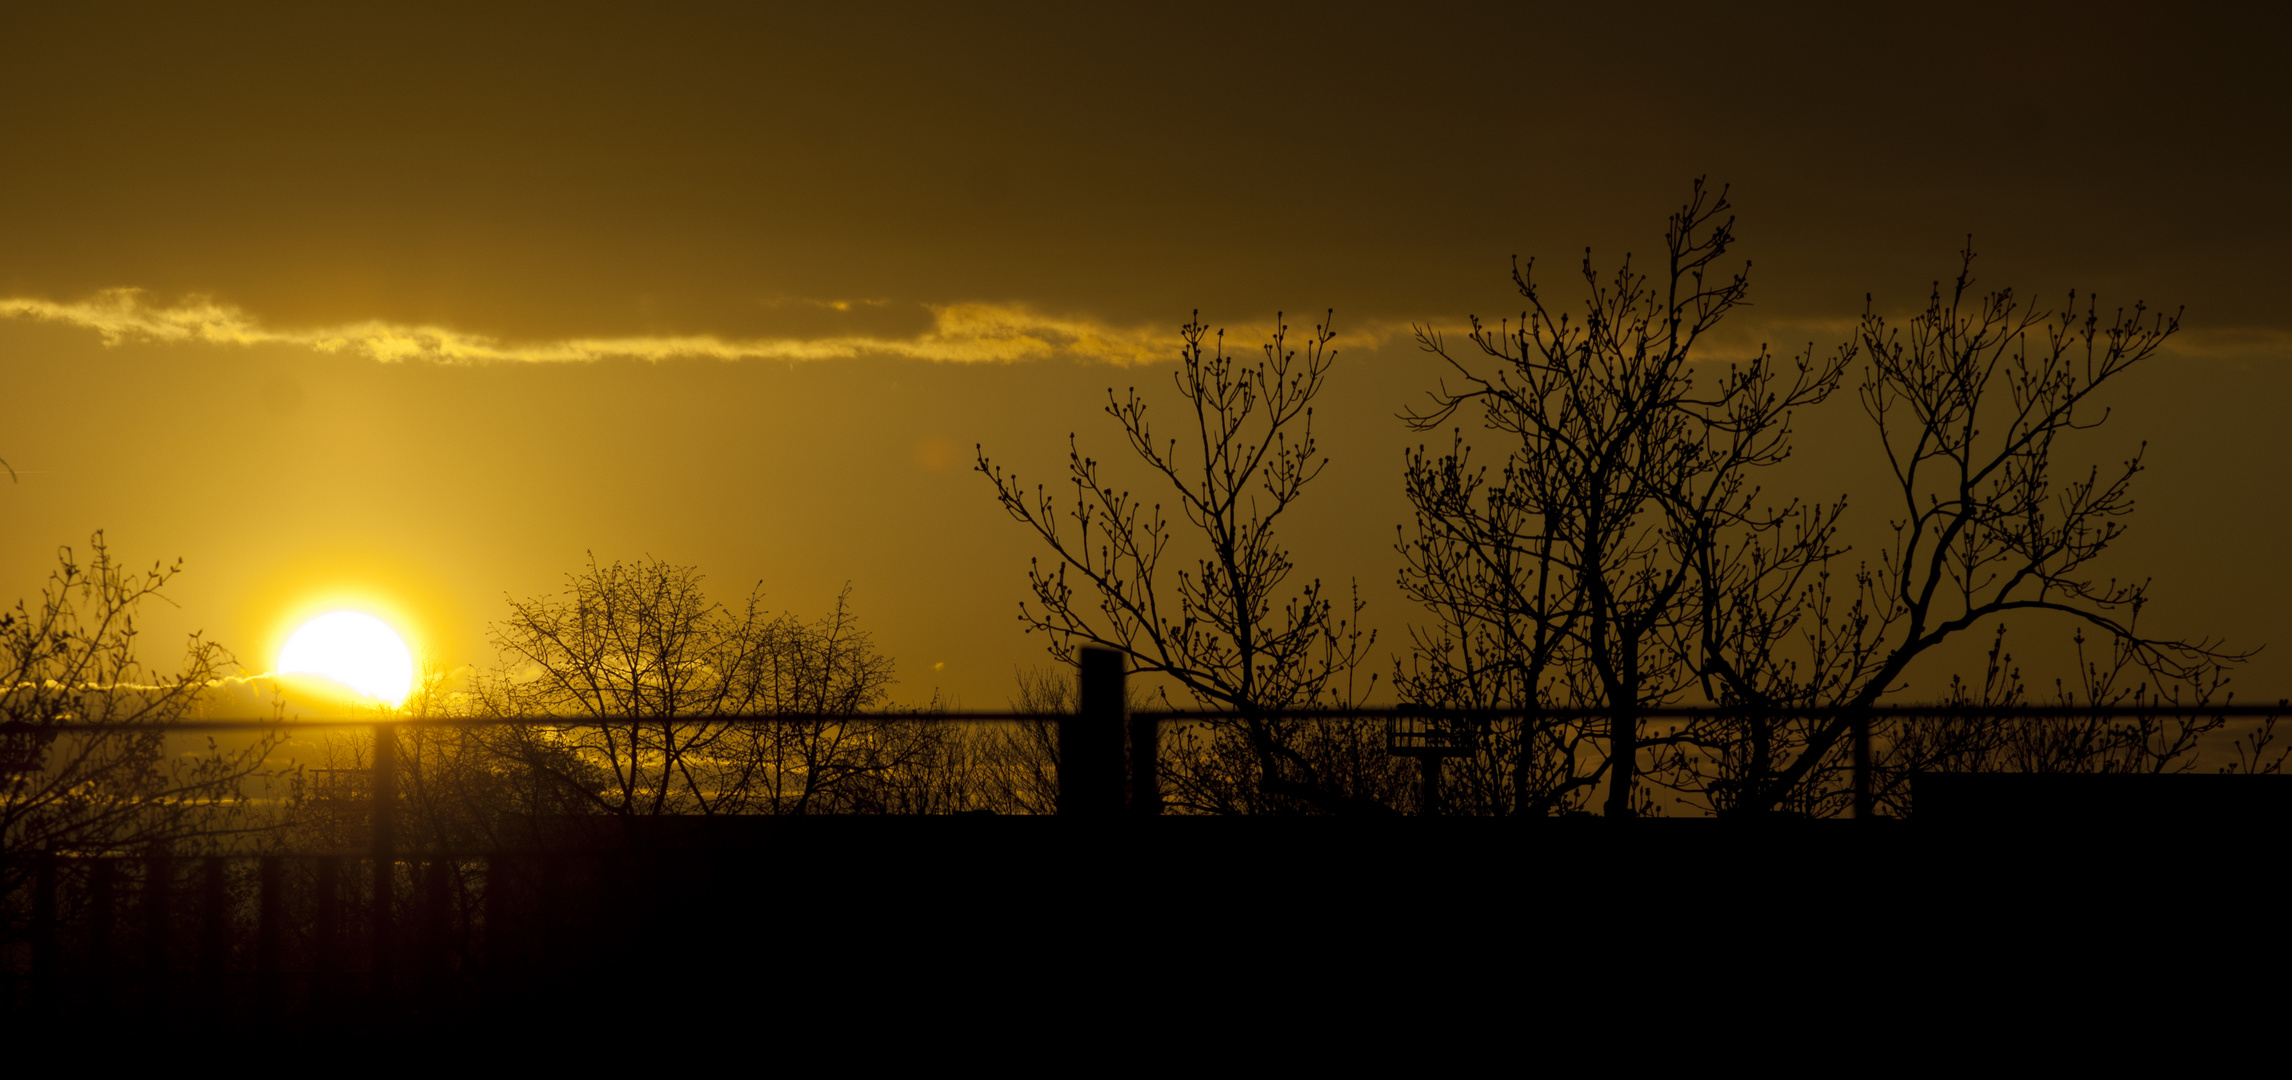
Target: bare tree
x: 663, y: 674
x: 814, y: 760
x: 635, y: 649
x: 72, y: 660
x: 1972, y: 402
x: 1222, y: 621
x: 2161, y: 734
x: 459, y: 789
x: 1572, y: 575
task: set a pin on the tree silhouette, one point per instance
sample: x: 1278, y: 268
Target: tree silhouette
x: 1972, y: 403
x: 1572, y: 574
x: 459, y: 788
x: 1618, y: 555
x: 2116, y: 675
x: 72, y: 659
x: 659, y: 670
x: 1227, y: 626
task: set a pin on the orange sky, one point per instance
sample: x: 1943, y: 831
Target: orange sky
x: 433, y: 302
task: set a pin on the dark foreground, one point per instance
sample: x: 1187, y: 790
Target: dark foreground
x: 703, y: 923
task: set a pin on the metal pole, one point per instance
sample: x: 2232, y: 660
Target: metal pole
x: 326, y: 912
x: 1428, y: 780
x: 46, y: 993
x: 383, y: 850
x: 158, y: 881
x: 1090, y: 741
x: 104, y: 914
x: 1145, y: 766
x: 270, y: 991
x: 495, y: 946
x: 214, y: 939
x: 436, y: 910
x: 1863, y: 808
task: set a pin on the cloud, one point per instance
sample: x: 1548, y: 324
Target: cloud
x: 2239, y: 346
x: 960, y: 333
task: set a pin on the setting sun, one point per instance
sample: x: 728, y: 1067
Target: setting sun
x: 354, y: 649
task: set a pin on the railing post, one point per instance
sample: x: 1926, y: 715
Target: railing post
x: 436, y: 915
x: 269, y: 991
x: 46, y: 989
x: 158, y: 920
x: 493, y: 948
x: 326, y: 913
x: 1428, y: 785
x: 214, y: 939
x: 1145, y: 766
x: 103, y: 890
x: 382, y: 788
x: 1090, y: 741
x: 547, y: 941
x: 1863, y: 808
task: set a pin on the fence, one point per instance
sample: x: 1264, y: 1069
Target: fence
x: 361, y: 935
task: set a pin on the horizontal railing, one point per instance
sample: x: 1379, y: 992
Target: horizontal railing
x: 1089, y: 768
x: 1568, y: 712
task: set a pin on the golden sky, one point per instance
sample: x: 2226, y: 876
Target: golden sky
x: 431, y: 302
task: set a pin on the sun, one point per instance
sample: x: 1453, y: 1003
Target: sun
x: 354, y: 649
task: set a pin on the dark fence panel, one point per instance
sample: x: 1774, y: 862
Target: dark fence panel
x: 363, y: 939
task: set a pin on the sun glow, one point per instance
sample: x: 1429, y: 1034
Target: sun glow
x: 354, y: 649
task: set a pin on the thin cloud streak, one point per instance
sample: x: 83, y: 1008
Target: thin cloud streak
x: 961, y: 333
